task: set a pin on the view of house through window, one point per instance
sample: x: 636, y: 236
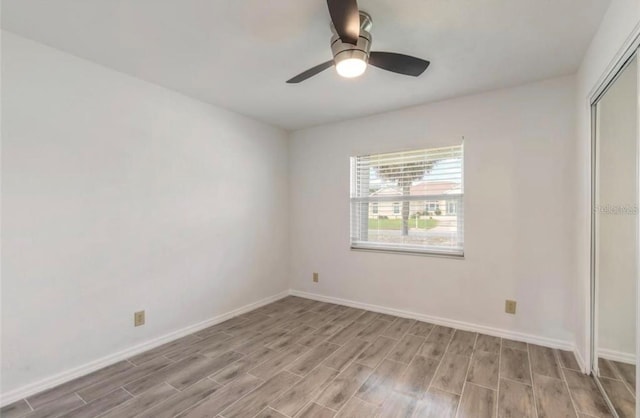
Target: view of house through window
x: 410, y: 201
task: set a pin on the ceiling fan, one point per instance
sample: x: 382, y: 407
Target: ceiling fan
x: 351, y: 47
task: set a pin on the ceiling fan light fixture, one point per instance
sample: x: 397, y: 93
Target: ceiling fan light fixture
x: 350, y: 61
x: 351, y: 67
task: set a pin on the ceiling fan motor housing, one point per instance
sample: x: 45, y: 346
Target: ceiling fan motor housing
x: 344, y: 50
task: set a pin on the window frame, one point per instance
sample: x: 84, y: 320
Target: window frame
x: 455, y: 253
x: 432, y: 206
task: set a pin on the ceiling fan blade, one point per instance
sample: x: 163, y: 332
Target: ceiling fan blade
x: 346, y: 19
x: 398, y: 63
x: 310, y: 72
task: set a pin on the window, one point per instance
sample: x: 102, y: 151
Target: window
x: 416, y: 197
x: 451, y: 208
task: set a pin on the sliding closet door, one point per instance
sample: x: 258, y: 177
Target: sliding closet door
x: 616, y: 237
x: 617, y: 215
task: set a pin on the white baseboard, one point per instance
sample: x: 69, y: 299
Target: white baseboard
x: 466, y: 326
x: 614, y: 355
x: 60, y: 378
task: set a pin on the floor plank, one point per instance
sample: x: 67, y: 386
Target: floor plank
x: 338, y: 392
x: 257, y: 400
x: 346, y: 334
x: 516, y: 400
x: 143, y: 402
x: 270, y: 413
x: 543, y: 361
x: 552, y: 398
x: 406, y: 348
x: 16, y: 409
x: 185, y: 378
x: 488, y: 343
x: 313, y: 410
x: 308, y: 361
x: 437, y: 342
x: 277, y: 363
x: 373, y: 355
x: 226, y: 396
x: 518, y: 345
x: 586, y: 395
x: 451, y: 373
x: 398, y: 405
x: 346, y: 354
x: 59, y: 407
x: 100, y: 406
x: 622, y: 399
x: 568, y: 360
x: 514, y: 365
x: 165, y: 348
x: 416, y: 379
x: 421, y: 329
x: 398, y: 328
x: 627, y: 373
x: 484, y: 369
x: 240, y: 367
x: 477, y: 402
x: 462, y: 343
x: 357, y: 408
x: 607, y: 369
x: 108, y: 385
x: 183, y: 400
x: 294, y: 399
x: 381, y: 382
x: 38, y: 400
x: 179, y: 374
x: 373, y: 330
x: 438, y: 404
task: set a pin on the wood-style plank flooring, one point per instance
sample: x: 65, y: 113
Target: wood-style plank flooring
x: 619, y: 382
x: 303, y: 358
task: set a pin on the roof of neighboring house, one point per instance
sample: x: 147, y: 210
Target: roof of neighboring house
x: 388, y: 191
x: 423, y: 188
x: 434, y: 187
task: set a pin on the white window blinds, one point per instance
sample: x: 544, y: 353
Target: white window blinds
x: 409, y: 201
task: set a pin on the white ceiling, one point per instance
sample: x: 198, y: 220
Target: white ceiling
x: 238, y: 53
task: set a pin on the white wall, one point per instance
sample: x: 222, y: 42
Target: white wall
x: 617, y: 186
x: 616, y: 27
x: 119, y: 195
x: 518, y: 145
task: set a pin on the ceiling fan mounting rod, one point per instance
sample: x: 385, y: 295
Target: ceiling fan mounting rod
x: 365, y: 21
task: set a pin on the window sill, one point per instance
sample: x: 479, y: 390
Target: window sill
x: 410, y: 252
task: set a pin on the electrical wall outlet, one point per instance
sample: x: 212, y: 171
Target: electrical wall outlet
x: 510, y: 306
x: 315, y: 278
x: 138, y: 318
